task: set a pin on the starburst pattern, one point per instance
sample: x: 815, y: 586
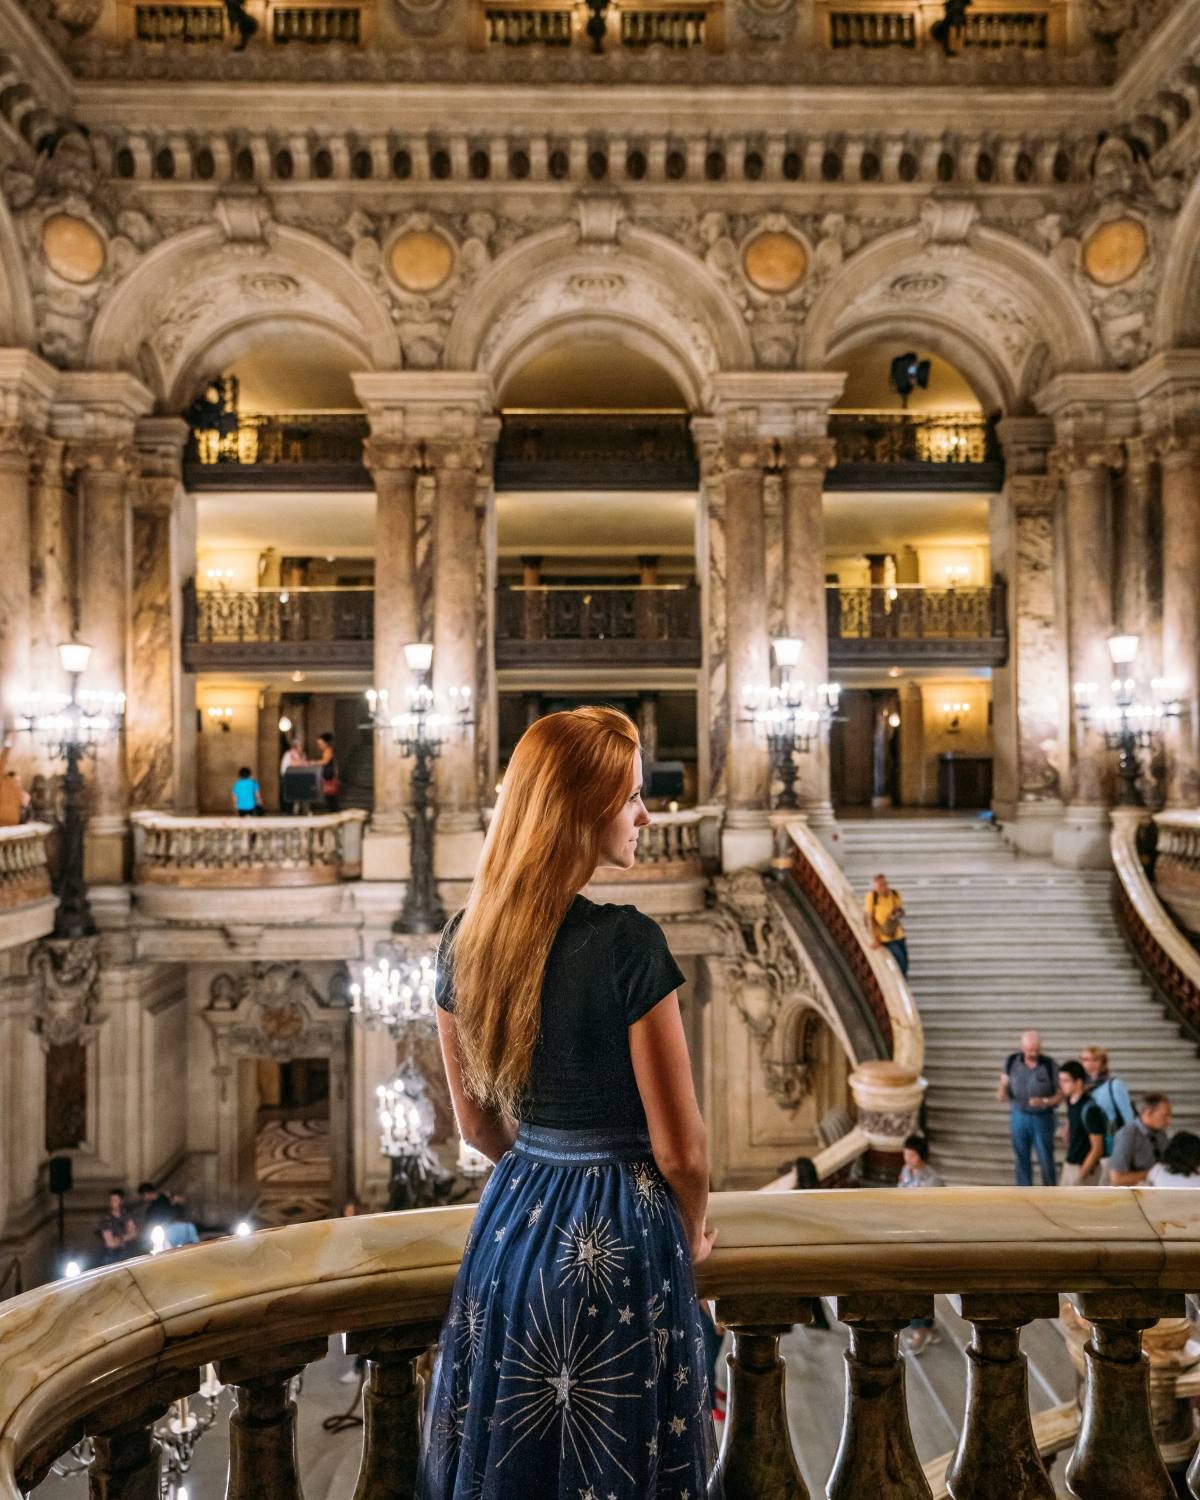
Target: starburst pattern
x: 560, y: 1376
x: 647, y: 1184
x: 591, y: 1254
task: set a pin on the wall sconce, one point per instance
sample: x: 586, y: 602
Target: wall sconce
x: 285, y: 725
x: 893, y: 721
x: 956, y: 574
x: 218, y: 577
x: 221, y: 717
x: 952, y: 716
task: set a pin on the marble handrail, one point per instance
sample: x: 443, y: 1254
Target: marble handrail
x: 24, y: 874
x: 1160, y: 947
x: 87, y: 1354
x: 875, y: 965
x: 230, y: 851
x: 1177, y: 865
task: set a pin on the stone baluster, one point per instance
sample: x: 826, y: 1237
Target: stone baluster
x: 1116, y: 1453
x: 391, y: 1408
x: 876, y: 1455
x: 997, y: 1457
x: 756, y: 1453
x: 128, y: 1457
x: 262, y: 1431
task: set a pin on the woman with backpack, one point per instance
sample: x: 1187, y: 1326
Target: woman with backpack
x: 1110, y: 1095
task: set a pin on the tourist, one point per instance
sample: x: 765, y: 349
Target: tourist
x: 567, y: 1064
x: 247, y: 795
x: 117, y: 1230
x: 1180, y: 1165
x: 1029, y: 1085
x: 178, y: 1227
x: 1111, y: 1094
x: 293, y: 759
x: 331, y: 781
x: 1141, y: 1143
x: 884, y: 910
x: 1084, y: 1130
x: 917, y: 1173
x: 148, y: 1209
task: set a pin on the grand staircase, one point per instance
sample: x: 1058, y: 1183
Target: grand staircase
x: 999, y: 943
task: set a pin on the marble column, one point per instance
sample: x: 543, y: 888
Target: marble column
x: 806, y: 461
x: 647, y: 721
x: 1181, y: 613
x: 52, y: 570
x: 18, y: 447
x: 157, y: 734
x: 269, y: 754
x: 395, y: 466
x: 1030, y: 692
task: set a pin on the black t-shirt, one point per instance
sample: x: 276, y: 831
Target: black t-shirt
x: 608, y: 966
x: 1084, y: 1119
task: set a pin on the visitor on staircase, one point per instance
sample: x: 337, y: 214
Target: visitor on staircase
x: 1029, y: 1085
x: 1112, y: 1095
x: 1085, y: 1128
x: 884, y: 910
x: 1139, y: 1145
x: 1180, y: 1166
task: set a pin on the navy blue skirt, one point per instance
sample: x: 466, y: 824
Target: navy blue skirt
x: 572, y: 1361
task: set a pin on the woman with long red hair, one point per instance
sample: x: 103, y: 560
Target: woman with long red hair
x: 572, y: 1360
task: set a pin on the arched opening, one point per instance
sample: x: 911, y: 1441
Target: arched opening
x: 915, y: 626
x: 597, y: 592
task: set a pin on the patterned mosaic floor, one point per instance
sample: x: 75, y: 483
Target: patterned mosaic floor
x: 292, y: 1160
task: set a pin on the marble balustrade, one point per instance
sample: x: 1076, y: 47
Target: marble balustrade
x: 106, y: 1353
x: 24, y: 875
x: 227, y: 852
x: 1177, y: 864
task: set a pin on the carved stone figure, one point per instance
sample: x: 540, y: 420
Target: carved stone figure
x: 66, y: 990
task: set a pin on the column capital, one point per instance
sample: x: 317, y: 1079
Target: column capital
x: 27, y: 388
x: 99, y: 405
x: 775, y: 403
x: 807, y: 455
x: 19, y: 447
x: 420, y: 405
x: 1026, y: 442
x: 1094, y: 406
x: 160, y: 442
x: 1083, y: 453
x: 1168, y: 391
x: 1032, y: 494
x: 392, y: 455
x: 102, y: 455
x: 468, y: 455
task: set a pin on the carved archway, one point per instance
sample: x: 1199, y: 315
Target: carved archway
x: 18, y: 326
x: 639, y: 289
x: 272, y: 1012
x: 197, y: 287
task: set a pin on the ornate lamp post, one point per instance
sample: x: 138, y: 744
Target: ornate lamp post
x: 790, y: 714
x: 1133, y: 721
x: 73, y: 726
x: 420, y: 734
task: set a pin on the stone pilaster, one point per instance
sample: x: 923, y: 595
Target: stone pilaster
x: 1168, y: 388
x: 1030, y: 693
x: 1092, y: 415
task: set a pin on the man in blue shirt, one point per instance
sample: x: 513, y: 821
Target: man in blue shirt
x: 247, y: 795
x: 1029, y: 1085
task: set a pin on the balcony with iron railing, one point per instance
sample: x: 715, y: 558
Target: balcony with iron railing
x: 264, y: 629
x: 910, y: 625
x: 299, y: 450
x: 894, y: 450
x: 544, y: 625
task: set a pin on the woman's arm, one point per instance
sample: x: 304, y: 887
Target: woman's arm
x: 482, y: 1128
x: 663, y: 1071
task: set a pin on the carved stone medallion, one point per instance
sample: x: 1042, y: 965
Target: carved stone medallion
x: 73, y: 249
x: 1115, y: 252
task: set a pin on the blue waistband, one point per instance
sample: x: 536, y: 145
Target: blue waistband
x: 581, y: 1148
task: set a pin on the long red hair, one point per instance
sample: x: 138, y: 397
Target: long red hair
x: 568, y: 778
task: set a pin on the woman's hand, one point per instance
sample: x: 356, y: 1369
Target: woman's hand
x: 702, y: 1249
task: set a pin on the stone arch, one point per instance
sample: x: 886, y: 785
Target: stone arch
x: 644, y: 292
x: 987, y: 303
x: 195, y: 287
x: 1177, y: 319
x: 18, y: 326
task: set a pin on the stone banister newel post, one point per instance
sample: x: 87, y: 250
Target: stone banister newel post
x: 97, y: 412
x: 27, y: 385
x: 1091, y: 414
x: 888, y: 1100
x: 1168, y: 388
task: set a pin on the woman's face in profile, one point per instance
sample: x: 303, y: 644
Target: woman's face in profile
x: 619, y: 845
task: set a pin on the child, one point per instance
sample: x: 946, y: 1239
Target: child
x: 247, y: 795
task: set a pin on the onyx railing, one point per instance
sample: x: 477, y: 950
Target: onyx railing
x: 964, y: 626
x: 227, y: 853
x: 552, y: 623
x: 1170, y: 962
x: 914, y: 450
x: 105, y: 1355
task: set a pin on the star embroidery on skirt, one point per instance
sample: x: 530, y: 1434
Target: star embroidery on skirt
x: 535, y: 1213
x: 515, y: 1182
x: 500, y: 1233
x: 592, y: 1310
x: 591, y: 1254
x: 653, y: 1446
x: 681, y: 1377
x: 626, y: 1314
x: 678, y: 1426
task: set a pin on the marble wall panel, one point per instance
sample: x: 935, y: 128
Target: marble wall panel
x: 1039, y: 651
x: 712, y: 699
x: 150, y: 681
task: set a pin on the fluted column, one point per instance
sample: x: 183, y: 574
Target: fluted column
x: 395, y: 466
x: 1030, y: 693
x: 805, y: 463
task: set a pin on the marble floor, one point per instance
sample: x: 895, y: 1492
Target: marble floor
x: 292, y: 1166
x: 329, y: 1460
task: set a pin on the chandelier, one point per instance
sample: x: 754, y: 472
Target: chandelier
x: 1134, y: 720
x: 790, y: 714
x: 398, y: 999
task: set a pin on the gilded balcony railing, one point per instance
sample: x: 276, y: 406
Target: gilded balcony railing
x: 105, y: 1355
x: 24, y: 873
x: 298, y: 441
x: 293, y: 614
x: 908, y: 621
x: 230, y: 853
x: 677, y: 27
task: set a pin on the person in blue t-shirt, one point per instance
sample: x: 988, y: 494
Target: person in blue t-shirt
x: 247, y: 795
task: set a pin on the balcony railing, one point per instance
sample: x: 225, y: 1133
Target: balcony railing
x: 24, y: 873
x: 180, y: 23
x: 909, y: 623
x: 227, y: 853
x: 914, y: 450
x: 992, y: 25
x: 1177, y: 866
x: 529, y: 26
x: 543, y: 625
x: 649, y: 450
x: 663, y: 26
x: 318, y: 25
x: 104, y: 1354
x: 681, y: 845
x: 674, y: 24
x: 257, y: 628
x: 305, y: 450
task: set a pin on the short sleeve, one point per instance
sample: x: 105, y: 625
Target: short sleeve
x: 645, y: 971
x: 1122, y: 1155
x: 1094, y: 1122
x: 443, y: 984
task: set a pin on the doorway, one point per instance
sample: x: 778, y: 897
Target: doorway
x: 864, y: 749
x: 292, y: 1147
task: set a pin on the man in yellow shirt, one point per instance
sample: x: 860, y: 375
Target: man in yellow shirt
x: 884, y: 909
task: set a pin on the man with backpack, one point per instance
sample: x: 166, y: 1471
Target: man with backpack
x: 884, y: 909
x: 1029, y: 1086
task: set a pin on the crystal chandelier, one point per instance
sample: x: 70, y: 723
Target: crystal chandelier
x: 398, y: 999
x: 790, y: 714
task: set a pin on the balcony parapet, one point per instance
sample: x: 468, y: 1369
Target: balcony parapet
x: 675, y: 856
x: 1177, y: 865
x: 108, y: 1351
x: 911, y: 624
x: 1169, y: 960
x: 900, y: 450
x: 26, y: 903
x: 262, y: 628
x: 561, y: 625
